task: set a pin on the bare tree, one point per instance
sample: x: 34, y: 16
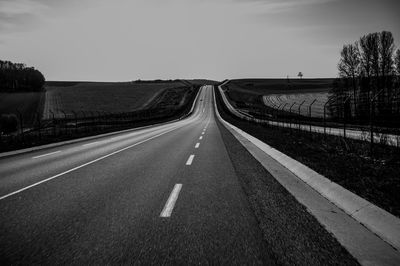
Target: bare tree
x: 386, y: 50
x: 397, y: 61
x: 369, y: 52
x: 349, y: 66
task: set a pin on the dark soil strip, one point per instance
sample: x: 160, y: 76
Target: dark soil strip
x: 346, y: 162
x: 293, y: 234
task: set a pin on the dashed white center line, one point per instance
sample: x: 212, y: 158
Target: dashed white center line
x: 201, y: 137
x: 190, y: 160
x: 197, y: 145
x: 169, y: 205
x: 47, y: 154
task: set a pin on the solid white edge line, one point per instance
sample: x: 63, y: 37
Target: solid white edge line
x: 83, y: 165
x: 197, y: 145
x: 47, y: 154
x: 190, y: 160
x: 91, y: 143
x: 169, y: 205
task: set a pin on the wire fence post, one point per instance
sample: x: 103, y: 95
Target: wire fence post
x: 39, y: 125
x: 344, y: 116
x: 291, y: 117
x: 83, y: 120
x: 76, y: 121
x: 309, y: 111
x: 54, y: 122
x: 277, y: 114
x: 65, y: 123
x: 283, y: 115
x: 325, y: 117
x: 21, y: 124
x: 299, y: 112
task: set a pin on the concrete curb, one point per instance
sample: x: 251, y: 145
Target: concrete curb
x: 377, y: 220
x: 57, y: 144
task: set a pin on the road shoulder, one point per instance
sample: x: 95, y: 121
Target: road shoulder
x: 365, y: 246
x: 294, y: 235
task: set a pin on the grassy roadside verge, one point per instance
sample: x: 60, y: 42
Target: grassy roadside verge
x: 344, y: 162
x: 293, y: 241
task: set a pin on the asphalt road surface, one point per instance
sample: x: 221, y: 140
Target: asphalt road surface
x: 168, y: 194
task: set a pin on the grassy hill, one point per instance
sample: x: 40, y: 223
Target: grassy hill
x: 111, y: 97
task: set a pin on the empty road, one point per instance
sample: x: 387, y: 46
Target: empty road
x: 167, y: 194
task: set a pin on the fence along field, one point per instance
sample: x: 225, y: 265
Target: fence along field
x: 134, y: 105
x: 250, y: 90
x: 302, y: 100
x: 92, y: 97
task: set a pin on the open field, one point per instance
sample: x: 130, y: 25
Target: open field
x: 302, y: 100
x: 29, y: 104
x: 167, y: 105
x: 102, y: 97
x: 251, y: 91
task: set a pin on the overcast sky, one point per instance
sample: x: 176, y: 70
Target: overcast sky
x: 117, y: 40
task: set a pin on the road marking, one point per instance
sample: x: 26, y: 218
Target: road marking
x: 190, y: 160
x: 201, y: 137
x: 83, y: 165
x: 197, y: 145
x: 202, y: 133
x: 47, y: 154
x: 169, y: 205
x: 91, y: 143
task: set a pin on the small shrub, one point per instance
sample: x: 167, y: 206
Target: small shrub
x: 8, y: 123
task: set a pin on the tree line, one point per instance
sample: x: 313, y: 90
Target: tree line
x: 368, y: 84
x: 18, y: 77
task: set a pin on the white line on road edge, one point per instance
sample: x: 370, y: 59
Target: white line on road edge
x: 169, y: 206
x: 83, y: 165
x: 89, y: 144
x: 47, y: 154
x: 197, y: 145
x: 202, y: 133
x: 201, y: 137
x: 190, y: 160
